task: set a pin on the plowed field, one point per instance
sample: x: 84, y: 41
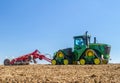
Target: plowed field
x: 60, y: 74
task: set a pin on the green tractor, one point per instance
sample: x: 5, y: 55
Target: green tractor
x: 84, y: 52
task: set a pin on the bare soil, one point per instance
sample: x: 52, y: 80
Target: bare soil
x: 60, y: 74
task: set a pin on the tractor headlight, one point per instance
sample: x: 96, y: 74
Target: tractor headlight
x: 107, y: 50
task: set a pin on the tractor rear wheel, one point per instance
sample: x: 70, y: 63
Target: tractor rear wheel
x: 6, y: 62
x: 53, y: 62
x: 97, y: 61
x: 82, y: 61
x: 65, y: 62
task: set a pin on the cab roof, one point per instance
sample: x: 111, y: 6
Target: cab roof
x: 81, y: 36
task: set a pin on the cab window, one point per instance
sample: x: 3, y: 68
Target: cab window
x: 79, y: 42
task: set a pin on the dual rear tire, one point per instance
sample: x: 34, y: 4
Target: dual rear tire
x: 96, y: 61
x: 90, y: 57
x: 65, y: 62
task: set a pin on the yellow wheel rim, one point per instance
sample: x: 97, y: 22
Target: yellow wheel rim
x: 97, y: 61
x: 60, y: 54
x: 53, y: 62
x: 66, y: 62
x: 82, y: 61
x: 89, y: 53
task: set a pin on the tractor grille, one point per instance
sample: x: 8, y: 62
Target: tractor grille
x: 107, y: 50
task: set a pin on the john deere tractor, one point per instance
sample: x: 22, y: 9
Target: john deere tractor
x: 84, y: 52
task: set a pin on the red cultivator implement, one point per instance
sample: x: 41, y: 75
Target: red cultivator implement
x: 26, y: 59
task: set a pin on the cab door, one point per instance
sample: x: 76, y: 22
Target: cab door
x: 79, y: 46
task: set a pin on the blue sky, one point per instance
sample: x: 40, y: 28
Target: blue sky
x: 49, y: 25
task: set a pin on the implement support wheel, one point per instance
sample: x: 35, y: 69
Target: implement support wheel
x: 6, y: 62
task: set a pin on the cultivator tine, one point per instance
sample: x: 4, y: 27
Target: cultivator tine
x: 29, y: 58
x: 34, y: 61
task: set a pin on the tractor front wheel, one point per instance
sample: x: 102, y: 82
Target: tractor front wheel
x: 6, y: 62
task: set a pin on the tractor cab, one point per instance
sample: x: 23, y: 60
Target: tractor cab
x: 81, y: 41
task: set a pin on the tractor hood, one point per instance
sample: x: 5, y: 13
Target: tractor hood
x: 102, y: 48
